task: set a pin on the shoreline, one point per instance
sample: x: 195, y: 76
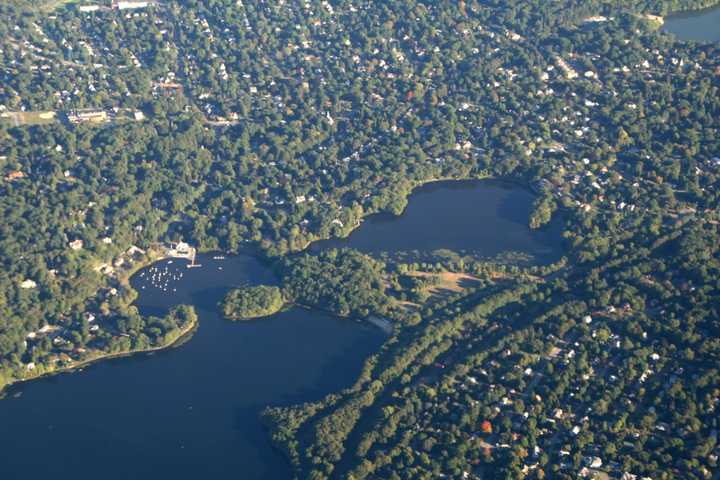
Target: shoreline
x: 661, y: 19
x: 153, y: 257
x: 182, y: 336
x: 413, y: 189
x: 711, y: 5
x: 366, y: 321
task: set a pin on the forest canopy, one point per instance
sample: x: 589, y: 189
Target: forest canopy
x: 345, y: 282
x: 246, y: 303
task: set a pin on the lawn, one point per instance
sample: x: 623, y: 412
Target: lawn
x: 29, y: 118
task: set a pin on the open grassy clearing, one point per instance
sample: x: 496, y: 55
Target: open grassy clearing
x: 29, y: 118
x: 446, y: 281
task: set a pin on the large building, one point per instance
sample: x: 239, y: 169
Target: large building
x: 129, y: 5
x: 83, y: 116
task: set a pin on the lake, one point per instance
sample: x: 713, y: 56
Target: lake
x: 481, y: 217
x: 192, y: 411
x: 700, y: 25
x: 187, y: 412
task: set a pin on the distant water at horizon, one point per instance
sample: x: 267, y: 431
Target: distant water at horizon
x: 699, y: 25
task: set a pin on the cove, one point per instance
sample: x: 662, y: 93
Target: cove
x: 699, y: 25
x: 187, y: 412
x: 193, y: 411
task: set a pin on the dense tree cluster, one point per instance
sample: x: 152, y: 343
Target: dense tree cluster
x: 344, y: 282
x: 251, y: 302
x: 539, y: 378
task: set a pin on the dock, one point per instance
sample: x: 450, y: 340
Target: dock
x: 182, y: 250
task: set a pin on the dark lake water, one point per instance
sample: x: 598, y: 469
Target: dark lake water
x: 192, y: 411
x: 484, y: 217
x: 701, y: 25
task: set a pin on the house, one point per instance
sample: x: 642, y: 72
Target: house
x: 26, y: 284
x: 104, y: 268
x: 133, y: 250
x: 486, y: 426
x: 595, y: 19
x: 569, y: 72
x: 76, y: 244
x: 16, y: 175
x: 181, y: 250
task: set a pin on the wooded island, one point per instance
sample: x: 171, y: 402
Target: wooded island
x: 252, y: 302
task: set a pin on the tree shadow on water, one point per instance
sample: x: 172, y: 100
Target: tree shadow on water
x: 208, y: 299
x: 270, y: 463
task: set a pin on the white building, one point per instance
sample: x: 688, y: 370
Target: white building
x: 130, y: 5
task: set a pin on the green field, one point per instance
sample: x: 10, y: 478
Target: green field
x: 29, y: 118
